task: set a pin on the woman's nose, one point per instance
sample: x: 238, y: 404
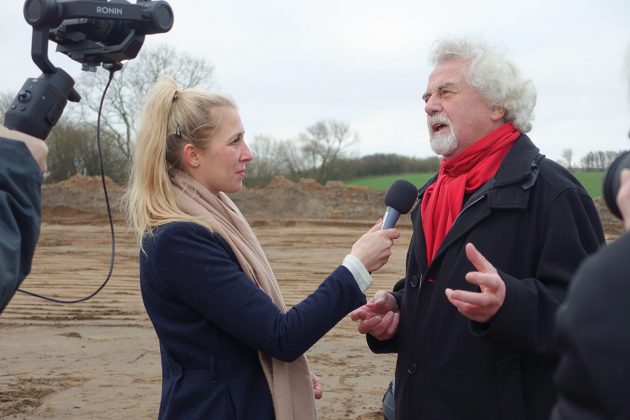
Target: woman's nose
x: 247, y: 155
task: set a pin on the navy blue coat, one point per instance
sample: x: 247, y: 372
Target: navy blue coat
x: 211, y: 320
x: 535, y: 223
x: 20, y: 215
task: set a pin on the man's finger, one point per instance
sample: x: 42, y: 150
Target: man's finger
x: 382, y: 326
x: 478, y: 260
x: 369, y: 324
x: 382, y: 302
x: 486, y: 281
x: 358, y: 314
x: 461, y: 297
x: 393, y: 327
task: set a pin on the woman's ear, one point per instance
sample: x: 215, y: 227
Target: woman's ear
x: 190, y: 155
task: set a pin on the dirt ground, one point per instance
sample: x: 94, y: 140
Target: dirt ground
x: 100, y: 359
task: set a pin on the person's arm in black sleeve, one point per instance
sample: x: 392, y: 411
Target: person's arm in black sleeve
x: 525, y: 321
x: 20, y: 211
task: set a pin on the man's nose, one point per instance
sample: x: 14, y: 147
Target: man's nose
x: 432, y: 106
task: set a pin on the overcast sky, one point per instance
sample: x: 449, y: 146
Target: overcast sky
x: 290, y: 63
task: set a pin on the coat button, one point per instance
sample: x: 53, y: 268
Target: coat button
x: 414, y: 281
x: 411, y: 369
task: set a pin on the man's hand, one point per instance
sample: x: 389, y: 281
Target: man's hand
x: 379, y: 316
x: 479, y: 306
x: 37, y: 147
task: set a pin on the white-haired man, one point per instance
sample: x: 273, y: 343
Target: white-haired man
x: 497, y: 235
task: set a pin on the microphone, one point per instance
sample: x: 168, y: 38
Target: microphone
x: 399, y: 199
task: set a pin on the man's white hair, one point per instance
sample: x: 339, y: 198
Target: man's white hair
x: 494, y: 76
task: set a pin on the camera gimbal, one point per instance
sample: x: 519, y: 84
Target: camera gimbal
x: 92, y: 32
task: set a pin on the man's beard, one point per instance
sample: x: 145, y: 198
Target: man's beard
x: 443, y: 144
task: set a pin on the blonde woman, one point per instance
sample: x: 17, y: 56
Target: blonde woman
x: 229, y: 347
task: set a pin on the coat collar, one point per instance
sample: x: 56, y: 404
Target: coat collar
x: 518, y: 167
x: 517, y: 164
x: 508, y: 189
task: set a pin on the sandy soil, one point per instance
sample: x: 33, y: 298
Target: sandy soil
x: 100, y: 359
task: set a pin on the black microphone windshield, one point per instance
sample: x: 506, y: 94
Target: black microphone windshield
x: 401, y: 196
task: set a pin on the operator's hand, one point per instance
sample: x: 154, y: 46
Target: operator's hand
x: 623, y: 197
x: 37, y: 147
x: 479, y: 306
x: 379, y: 317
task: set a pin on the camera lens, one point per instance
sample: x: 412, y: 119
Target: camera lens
x: 161, y: 17
x: 612, y: 181
x: 42, y: 13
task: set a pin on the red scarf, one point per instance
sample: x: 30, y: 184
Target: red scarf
x: 463, y: 174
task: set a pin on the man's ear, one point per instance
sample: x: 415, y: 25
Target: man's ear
x: 497, y: 112
x: 190, y: 155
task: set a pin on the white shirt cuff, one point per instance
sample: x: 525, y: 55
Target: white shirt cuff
x: 359, y: 272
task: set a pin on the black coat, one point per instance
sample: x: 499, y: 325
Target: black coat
x: 535, y: 223
x: 593, y: 335
x: 20, y: 215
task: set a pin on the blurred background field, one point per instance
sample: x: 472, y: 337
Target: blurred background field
x: 592, y: 181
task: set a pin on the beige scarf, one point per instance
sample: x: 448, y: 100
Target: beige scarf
x: 290, y: 383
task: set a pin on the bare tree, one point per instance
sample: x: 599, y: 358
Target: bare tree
x: 293, y: 162
x: 73, y: 149
x: 323, y: 144
x: 268, y: 161
x: 567, y: 155
x: 6, y: 98
x: 598, y: 160
x: 276, y: 157
x: 130, y: 85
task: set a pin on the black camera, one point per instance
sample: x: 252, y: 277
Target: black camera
x: 612, y: 181
x: 92, y: 32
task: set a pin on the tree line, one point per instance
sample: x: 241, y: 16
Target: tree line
x: 594, y: 161
x: 322, y: 151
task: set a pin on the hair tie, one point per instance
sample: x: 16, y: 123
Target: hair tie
x: 178, y: 130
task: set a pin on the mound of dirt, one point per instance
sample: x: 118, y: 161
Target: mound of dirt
x: 613, y: 227
x: 81, y: 198
x: 307, y: 199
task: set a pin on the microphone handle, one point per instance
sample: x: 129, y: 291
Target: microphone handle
x: 390, y: 218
